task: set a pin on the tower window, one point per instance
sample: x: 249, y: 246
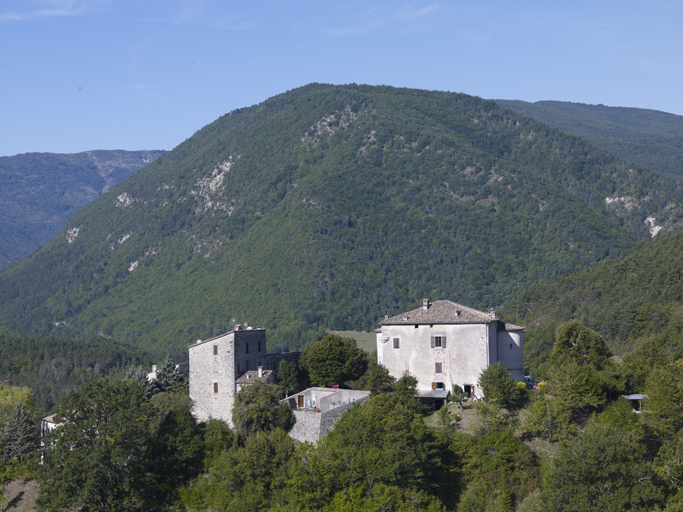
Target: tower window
x: 215, y: 387
x: 246, y: 345
x: 215, y: 350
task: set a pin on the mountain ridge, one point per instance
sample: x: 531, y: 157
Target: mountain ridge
x: 328, y: 207
x: 41, y: 190
x: 650, y: 138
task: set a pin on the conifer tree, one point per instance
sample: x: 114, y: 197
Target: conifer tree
x: 21, y: 435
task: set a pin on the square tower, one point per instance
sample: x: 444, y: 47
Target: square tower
x: 215, y: 365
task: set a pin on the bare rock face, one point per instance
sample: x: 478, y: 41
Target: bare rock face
x: 40, y: 191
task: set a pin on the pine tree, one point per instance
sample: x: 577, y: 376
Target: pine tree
x: 167, y: 377
x: 21, y: 435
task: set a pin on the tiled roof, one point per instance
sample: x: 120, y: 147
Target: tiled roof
x: 252, y: 376
x: 441, y: 312
x: 513, y: 327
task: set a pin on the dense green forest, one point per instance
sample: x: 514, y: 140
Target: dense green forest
x: 649, y: 138
x: 40, y: 191
x: 54, y: 367
x: 628, y: 301
x: 573, y: 445
x: 328, y: 207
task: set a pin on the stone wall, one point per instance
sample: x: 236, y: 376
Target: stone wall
x: 307, y: 426
x: 213, y: 371
x: 311, y: 426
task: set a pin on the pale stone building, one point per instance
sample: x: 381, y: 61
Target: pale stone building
x: 444, y: 343
x: 318, y: 409
x: 220, y: 366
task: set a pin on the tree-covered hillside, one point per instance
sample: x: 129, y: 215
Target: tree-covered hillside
x: 55, y: 367
x: 40, y: 191
x: 330, y: 206
x: 635, y: 298
x: 646, y: 137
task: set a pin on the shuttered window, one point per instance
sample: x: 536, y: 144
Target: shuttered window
x: 397, y: 343
x: 438, y: 341
x: 438, y: 367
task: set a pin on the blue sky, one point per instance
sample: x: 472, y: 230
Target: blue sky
x: 77, y: 75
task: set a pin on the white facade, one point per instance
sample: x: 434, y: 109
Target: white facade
x: 445, y: 343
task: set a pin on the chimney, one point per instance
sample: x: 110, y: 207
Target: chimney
x: 238, y: 327
x: 154, y: 368
x: 260, y: 371
x: 425, y: 304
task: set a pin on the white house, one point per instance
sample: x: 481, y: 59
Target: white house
x: 444, y: 343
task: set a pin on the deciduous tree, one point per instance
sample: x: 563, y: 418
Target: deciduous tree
x: 334, y: 360
x: 99, y: 455
x: 258, y: 409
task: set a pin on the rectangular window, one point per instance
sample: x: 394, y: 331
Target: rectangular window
x: 215, y: 350
x: 215, y: 387
x: 247, y: 346
x: 439, y: 385
x: 438, y: 341
x: 397, y: 343
x: 438, y: 367
x: 247, y: 366
x: 259, y: 347
x: 510, y: 345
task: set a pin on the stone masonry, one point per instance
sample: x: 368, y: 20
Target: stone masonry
x: 317, y: 410
x: 217, y: 363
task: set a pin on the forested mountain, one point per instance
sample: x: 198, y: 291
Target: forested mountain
x: 40, y: 191
x: 649, y: 138
x: 635, y: 298
x: 330, y: 206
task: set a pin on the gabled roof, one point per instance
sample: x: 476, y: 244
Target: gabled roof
x: 441, y: 312
x: 445, y: 312
x: 252, y: 376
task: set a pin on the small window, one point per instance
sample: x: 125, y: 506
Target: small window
x: 259, y: 363
x: 215, y: 350
x: 438, y: 367
x: 215, y: 387
x: 510, y: 345
x: 438, y: 385
x: 247, y: 346
x: 247, y: 366
x: 259, y: 347
x: 438, y: 341
x: 415, y: 326
x: 397, y: 343
x: 238, y: 369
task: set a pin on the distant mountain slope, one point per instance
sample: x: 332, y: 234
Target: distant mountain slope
x: 330, y: 206
x: 40, y: 191
x: 627, y: 300
x: 649, y: 138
